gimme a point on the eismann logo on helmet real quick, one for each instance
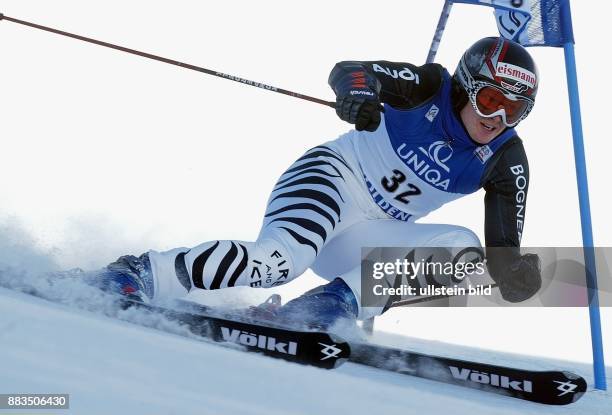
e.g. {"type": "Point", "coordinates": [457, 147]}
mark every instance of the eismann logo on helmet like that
{"type": "Point", "coordinates": [516, 73]}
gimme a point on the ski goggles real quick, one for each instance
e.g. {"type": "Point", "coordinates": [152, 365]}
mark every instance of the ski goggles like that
{"type": "Point", "coordinates": [490, 101]}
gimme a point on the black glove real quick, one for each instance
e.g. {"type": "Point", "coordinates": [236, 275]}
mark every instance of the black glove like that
{"type": "Point", "coordinates": [365, 114]}
{"type": "Point", "coordinates": [520, 280]}
{"type": "Point", "coordinates": [357, 100]}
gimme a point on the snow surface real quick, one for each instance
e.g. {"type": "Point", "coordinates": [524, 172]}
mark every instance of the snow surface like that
{"type": "Point", "coordinates": [113, 361]}
{"type": "Point", "coordinates": [108, 365]}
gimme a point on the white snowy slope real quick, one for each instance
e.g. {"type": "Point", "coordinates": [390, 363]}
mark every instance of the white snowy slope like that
{"type": "Point", "coordinates": [112, 366]}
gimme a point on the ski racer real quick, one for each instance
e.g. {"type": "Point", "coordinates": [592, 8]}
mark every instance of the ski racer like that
{"type": "Point", "coordinates": [422, 138]}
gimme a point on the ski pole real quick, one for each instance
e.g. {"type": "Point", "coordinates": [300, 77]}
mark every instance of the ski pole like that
{"type": "Point", "coordinates": [435, 42]}
{"type": "Point", "coordinates": [170, 61]}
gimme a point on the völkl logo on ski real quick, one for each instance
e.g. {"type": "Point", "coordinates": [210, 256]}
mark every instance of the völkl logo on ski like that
{"type": "Point", "coordinates": [565, 387]}
{"type": "Point", "coordinates": [329, 350]}
{"type": "Point", "coordinates": [258, 340]}
{"type": "Point", "coordinates": [491, 379]}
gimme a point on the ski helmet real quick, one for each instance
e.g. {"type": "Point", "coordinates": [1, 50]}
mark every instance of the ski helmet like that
{"type": "Point", "coordinates": [500, 78]}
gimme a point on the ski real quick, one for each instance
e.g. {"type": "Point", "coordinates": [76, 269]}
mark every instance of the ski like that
{"type": "Point", "coordinates": [326, 350]}
{"type": "Point", "coordinates": [312, 348]}
{"type": "Point", "coordinates": [546, 387]}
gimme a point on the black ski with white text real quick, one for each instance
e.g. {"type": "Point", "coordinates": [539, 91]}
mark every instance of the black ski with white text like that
{"type": "Point", "coordinates": [329, 351]}
{"type": "Point", "coordinates": [312, 348]}
{"type": "Point", "coordinates": [545, 387]}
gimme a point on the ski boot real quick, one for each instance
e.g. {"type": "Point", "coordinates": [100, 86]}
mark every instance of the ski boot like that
{"type": "Point", "coordinates": [321, 308]}
{"type": "Point", "coordinates": [129, 276]}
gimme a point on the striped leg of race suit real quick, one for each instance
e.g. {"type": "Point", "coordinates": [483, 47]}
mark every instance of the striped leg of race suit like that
{"type": "Point", "coordinates": [310, 204]}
